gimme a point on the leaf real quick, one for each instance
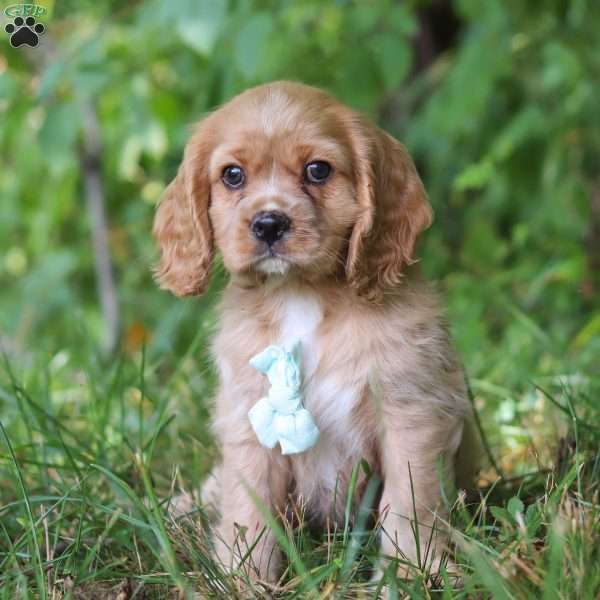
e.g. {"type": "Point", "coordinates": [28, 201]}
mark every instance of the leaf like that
{"type": "Point", "coordinates": [51, 79]}
{"type": "Point", "coordinates": [515, 506]}
{"type": "Point", "coordinates": [202, 24]}
{"type": "Point", "coordinates": [197, 23]}
{"type": "Point", "coordinates": [482, 246]}
{"type": "Point", "coordinates": [251, 44]}
{"type": "Point", "coordinates": [562, 66]}
{"type": "Point", "coordinates": [587, 333]}
{"type": "Point", "coordinates": [533, 519]}
{"type": "Point", "coordinates": [357, 79]}
{"type": "Point", "coordinates": [393, 55]}
{"type": "Point", "coordinates": [363, 18]}
{"type": "Point", "coordinates": [501, 514]}
{"type": "Point", "coordinates": [402, 19]}
{"type": "Point", "coordinates": [527, 124]}
{"type": "Point", "coordinates": [475, 176]}
{"type": "Point", "coordinates": [58, 134]}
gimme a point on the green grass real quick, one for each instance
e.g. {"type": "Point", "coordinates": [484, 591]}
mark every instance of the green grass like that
{"type": "Point", "coordinates": [91, 452]}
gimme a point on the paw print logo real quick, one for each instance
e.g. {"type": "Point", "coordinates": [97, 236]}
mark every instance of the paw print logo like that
{"type": "Point", "coordinates": [24, 31]}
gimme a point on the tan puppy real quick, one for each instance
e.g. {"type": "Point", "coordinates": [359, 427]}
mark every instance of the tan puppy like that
{"type": "Point", "coordinates": [316, 212]}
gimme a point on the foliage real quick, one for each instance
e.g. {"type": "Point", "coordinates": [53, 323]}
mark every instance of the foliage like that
{"type": "Point", "coordinates": [505, 130]}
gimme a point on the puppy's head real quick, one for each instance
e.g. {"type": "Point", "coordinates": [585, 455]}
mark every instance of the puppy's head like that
{"type": "Point", "coordinates": [286, 181]}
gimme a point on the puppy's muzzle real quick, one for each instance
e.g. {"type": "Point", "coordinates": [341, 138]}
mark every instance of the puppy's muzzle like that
{"type": "Point", "coordinates": [269, 226]}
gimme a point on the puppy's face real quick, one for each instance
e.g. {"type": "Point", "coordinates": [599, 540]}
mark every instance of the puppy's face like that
{"type": "Point", "coordinates": [286, 181]}
{"type": "Point", "coordinates": [282, 190]}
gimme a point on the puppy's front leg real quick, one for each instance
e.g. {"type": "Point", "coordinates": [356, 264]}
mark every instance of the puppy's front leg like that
{"type": "Point", "coordinates": [253, 480]}
{"type": "Point", "coordinates": [418, 462]}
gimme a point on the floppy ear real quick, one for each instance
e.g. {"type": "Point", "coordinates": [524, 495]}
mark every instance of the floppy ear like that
{"type": "Point", "coordinates": [394, 211]}
{"type": "Point", "coordinates": [182, 226]}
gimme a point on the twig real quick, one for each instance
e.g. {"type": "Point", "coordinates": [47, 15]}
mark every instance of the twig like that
{"type": "Point", "coordinates": [482, 435]}
{"type": "Point", "coordinates": [592, 244]}
{"type": "Point", "coordinates": [91, 171]}
{"type": "Point", "coordinates": [95, 200]}
{"type": "Point", "coordinates": [516, 478]}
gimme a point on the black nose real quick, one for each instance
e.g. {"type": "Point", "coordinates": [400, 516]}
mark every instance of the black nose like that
{"type": "Point", "coordinates": [269, 226]}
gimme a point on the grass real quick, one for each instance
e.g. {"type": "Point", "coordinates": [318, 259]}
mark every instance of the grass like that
{"type": "Point", "coordinates": [87, 455]}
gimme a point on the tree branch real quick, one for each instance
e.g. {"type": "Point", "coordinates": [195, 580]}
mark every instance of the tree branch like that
{"type": "Point", "coordinates": [91, 171]}
{"type": "Point", "coordinates": [91, 168]}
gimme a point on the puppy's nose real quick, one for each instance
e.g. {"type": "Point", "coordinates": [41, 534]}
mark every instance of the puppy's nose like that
{"type": "Point", "coordinates": [269, 226]}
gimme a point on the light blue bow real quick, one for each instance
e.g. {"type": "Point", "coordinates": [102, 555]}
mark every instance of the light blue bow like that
{"type": "Point", "coordinates": [280, 416]}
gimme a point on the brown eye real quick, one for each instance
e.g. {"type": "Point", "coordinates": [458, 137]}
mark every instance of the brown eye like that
{"type": "Point", "coordinates": [317, 171]}
{"type": "Point", "coordinates": [233, 176]}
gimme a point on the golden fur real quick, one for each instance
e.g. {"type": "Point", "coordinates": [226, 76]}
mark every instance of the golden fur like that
{"type": "Point", "coordinates": [380, 376]}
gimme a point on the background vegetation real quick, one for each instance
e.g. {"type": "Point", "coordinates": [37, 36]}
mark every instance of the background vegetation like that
{"type": "Point", "coordinates": [104, 394]}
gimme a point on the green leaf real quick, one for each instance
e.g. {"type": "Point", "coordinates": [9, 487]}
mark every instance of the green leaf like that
{"type": "Point", "coordinates": [58, 134]}
{"type": "Point", "coordinates": [501, 514]}
{"type": "Point", "coordinates": [393, 55]}
{"type": "Point", "coordinates": [251, 44]}
{"type": "Point", "coordinates": [590, 331]}
{"type": "Point", "coordinates": [200, 26]}
{"type": "Point", "coordinates": [533, 519]}
{"type": "Point", "coordinates": [474, 176]}
{"type": "Point", "coordinates": [401, 19]}
{"type": "Point", "coordinates": [515, 506]}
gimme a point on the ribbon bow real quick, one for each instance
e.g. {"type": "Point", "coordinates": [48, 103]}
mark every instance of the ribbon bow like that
{"type": "Point", "coordinates": [280, 416]}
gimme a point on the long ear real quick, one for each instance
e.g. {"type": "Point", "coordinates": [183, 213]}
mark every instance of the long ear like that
{"type": "Point", "coordinates": [394, 211]}
{"type": "Point", "coordinates": [182, 226]}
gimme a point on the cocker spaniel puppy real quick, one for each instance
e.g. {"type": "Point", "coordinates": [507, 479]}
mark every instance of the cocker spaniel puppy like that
{"type": "Point", "coordinates": [330, 348]}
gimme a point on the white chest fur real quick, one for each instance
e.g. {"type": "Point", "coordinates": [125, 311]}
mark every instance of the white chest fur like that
{"type": "Point", "coordinates": [331, 397]}
{"type": "Point", "coordinates": [301, 314]}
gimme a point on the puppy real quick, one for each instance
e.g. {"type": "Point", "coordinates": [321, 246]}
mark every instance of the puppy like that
{"type": "Point", "coordinates": [316, 212]}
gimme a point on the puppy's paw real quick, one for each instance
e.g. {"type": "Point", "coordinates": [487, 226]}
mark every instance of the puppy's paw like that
{"type": "Point", "coordinates": [182, 504]}
{"type": "Point", "coordinates": [255, 559]}
{"type": "Point", "coordinates": [210, 495]}
{"type": "Point", "coordinates": [206, 498]}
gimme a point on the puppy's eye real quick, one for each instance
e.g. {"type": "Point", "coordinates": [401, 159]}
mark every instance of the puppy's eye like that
{"type": "Point", "coordinates": [233, 176]}
{"type": "Point", "coordinates": [317, 171]}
